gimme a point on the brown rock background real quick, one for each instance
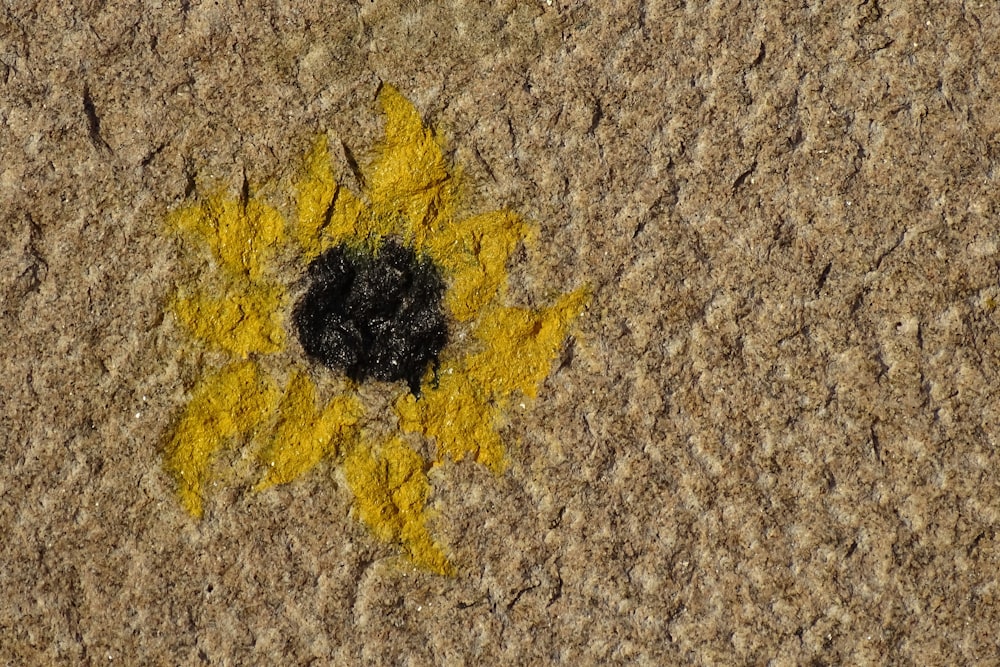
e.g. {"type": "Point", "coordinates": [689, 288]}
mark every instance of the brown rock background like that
{"type": "Point", "coordinates": [772, 439]}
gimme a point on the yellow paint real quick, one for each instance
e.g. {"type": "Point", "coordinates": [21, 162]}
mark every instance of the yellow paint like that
{"type": "Point", "coordinates": [520, 345]}
{"type": "Point", "coordinates": [239, 311]}
{"type": "Point", "coordinates": [328, 214]}
{"type": "Point", "coordinates": [228, 403]}
{"type": "Point", "coordinates": [462, 413]}
{"type": "Point", "coordinates": [459, 416]}
{"type": "Point", "coordinates": [410, 192]}
{"type": "Point", "coordinates": [243, 319]}
{"type": "Point", "coordinates": [303, 435]}
{"type": "Point", "coordinates": [410, 183]}
{"type": "Point", "coordinates": [316, 189]}
{"type": "Point", "coordinates": [391, 491]}
{"type": "Point", "coordinates": [474, 253]}
{"type": "Point", "coordinates": [239, 235]}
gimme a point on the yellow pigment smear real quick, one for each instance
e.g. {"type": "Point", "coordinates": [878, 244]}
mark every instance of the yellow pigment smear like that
{"type": "Point", "coordinates": [459, 416]}
{"type": "Point", "coordinates": [225, 404]}
{"type": "Point", "coordinates": [328, 214]}
{"type": "Point", "coordinates": [242, 320]}
{"type": "Point", "coordinates": [474, 253]}
{"type": "Point", "coordinates": [391, 492]}
{"type": "Point", "coordinates": [240, 311]}
{"type": "Point", "coordinates": [240, 235]}
{"type": "Point", "coordinates": [410, 182]}
{"type": "Point", "coordinates": [410, 192]}
{"type": "Point", "coordinates": [462, 413]}
{"type": "Point", "coordinates": [520, 345]}
{"type": "Point", "coordinates": [303, 435]}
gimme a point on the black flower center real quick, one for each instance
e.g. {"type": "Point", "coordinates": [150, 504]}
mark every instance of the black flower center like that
{"type": "Point", "coordinates": [373, 314]}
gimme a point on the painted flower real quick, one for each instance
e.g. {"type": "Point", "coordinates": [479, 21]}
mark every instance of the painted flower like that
{"type": "Point", "coordinates": [400, 289]}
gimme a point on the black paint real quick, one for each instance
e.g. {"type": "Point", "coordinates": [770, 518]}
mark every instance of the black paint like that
{"type": "Point", "coordinates": [373, 314]}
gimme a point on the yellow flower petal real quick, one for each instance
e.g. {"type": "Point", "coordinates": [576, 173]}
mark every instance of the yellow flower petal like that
{"type": "Point", "coordinates": [316, 189]}
{"type": "Point", "coordinates": [243, 318]}
{"type": "Point", "coordinates": [474, 253]}
{"type": "Point", "coordinates": [228, 403]}
{"type": "Point", "coordinates": [328, 214]}
{"type": "Point", "coordinates": [391, 492]}
{"type": "Point", "coordinates": [240, 235]}
{"type": "Point", "coordinates": [463, 412]}
{"type": "Point", "coordinates": [459, 416]}
{"type": "Point", "coordinates": [304, 435]}
{"type": "Point", "coordinates": [521, 344]}
{"type": "Point", "coordinates": [410, 184]}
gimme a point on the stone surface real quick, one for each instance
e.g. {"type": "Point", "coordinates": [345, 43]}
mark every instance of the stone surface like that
{"type": "Point", "coordinates": [772, 438]}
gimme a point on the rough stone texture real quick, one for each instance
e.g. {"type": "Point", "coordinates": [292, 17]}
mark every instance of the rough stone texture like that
{"type": "Point", "coordinates": [773, 438]}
